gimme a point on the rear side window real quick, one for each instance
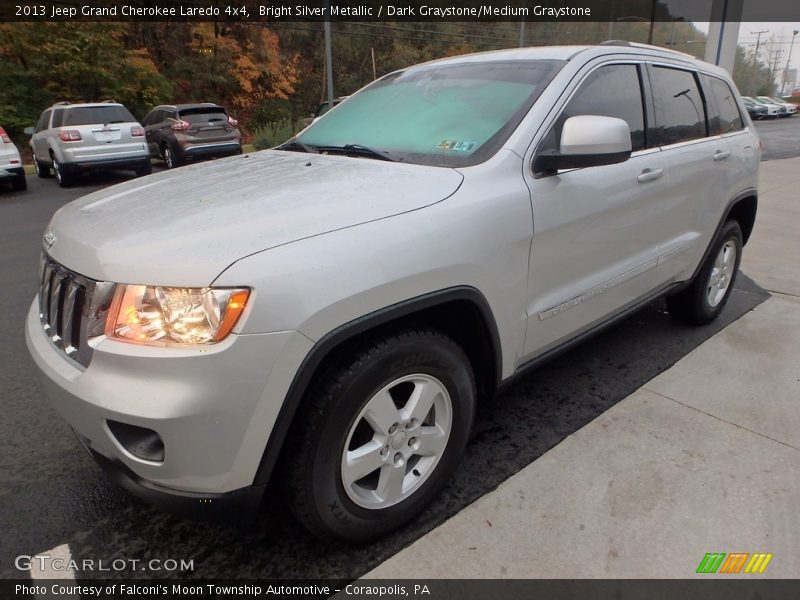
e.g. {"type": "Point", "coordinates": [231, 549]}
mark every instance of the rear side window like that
{"type": "Point", "coordinates": [151, 118]}
{"type": "Point", "coordinates": [43, 121]}
{"type": "Point", "coordinates": [58, 117]}
{"type": "Point", "coordinates": [203, 115]}
{"type": "Point", "coordinates": [679, 111]}
{"type": "Point", "coordinates": [611, 91]}
{"type": "Point", "coordinates": [97, 115]}
{"type": "Point", "coordinates": [726, 118]}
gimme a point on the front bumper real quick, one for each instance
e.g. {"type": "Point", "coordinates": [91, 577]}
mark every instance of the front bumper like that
{"type": "Point", "coordinates": [237, 506]}
{"type": "Point", "coordinates": [213, 408]}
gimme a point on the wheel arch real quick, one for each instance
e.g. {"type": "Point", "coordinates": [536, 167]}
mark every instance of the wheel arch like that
{"type": "Point", "coordinates": [743, 210]}
{"type": "Point", "coordinates": [462, 313]}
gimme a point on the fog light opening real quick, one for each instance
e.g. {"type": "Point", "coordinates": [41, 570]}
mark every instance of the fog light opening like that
{"type": "Point", "coordinates": [139, 441]}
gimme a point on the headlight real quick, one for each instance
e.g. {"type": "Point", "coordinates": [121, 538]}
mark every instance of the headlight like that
{"type": "Point", "coordinates": [144, 314]}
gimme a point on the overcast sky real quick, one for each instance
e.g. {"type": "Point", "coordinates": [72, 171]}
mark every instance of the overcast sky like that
{"type": "Point", "coordinates": [782, 32]}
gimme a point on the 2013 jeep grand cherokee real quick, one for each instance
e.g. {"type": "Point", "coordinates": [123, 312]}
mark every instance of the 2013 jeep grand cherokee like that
{"type": "Point", "coordinates": [331, 311]}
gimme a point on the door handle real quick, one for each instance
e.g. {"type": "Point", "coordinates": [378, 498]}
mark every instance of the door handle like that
{"type": "Point", "coordinates": [650, 175]}
{"type": "Point", "coordinates": [721, 154]}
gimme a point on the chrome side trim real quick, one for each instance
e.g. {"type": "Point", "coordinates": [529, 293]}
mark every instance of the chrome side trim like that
{"type": "Point", "coordinates": [596, 291]}
{"type": "Point", "coordinates": [673, 252]}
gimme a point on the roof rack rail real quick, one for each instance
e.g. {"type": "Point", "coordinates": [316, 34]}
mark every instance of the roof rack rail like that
{"type": "Point", "coordinates": [110, 101]}
{"type": "Point", "coordinates": [615, 43]}
{"type": "Point", "coordinates": [62, 103]}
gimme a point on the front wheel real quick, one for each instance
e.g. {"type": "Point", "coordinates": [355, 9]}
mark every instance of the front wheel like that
{"type": "Point", "coordinates": [704, 299]}
{"type": "Point", "coordinates": [382, 432]}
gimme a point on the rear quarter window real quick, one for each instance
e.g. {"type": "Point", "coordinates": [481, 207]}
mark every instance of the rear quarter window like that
{"type": "Point", "coordinates": [726, 118]}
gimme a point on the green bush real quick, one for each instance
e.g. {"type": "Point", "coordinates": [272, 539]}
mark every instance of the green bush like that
{"type": "Point", "coordinates": [272, 134]}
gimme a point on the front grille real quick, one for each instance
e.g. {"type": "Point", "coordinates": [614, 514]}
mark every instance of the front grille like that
{"type": "Point", "coordinates": [73, 309]}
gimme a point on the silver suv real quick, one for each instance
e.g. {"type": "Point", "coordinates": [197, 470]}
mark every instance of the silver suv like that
{"type": "Point", "coordinates": [76, 138]}
{"type": "Point", "coordinates": [331, 311]}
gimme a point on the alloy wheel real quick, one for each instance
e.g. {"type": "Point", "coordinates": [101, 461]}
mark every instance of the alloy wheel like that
{"type": "Point", "coordinates": [396, 441]}
{"type": "Point", "coordinates": [722, 273]}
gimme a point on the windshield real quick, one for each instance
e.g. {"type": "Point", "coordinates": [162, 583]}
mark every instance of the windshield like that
{"type": "Point", "coordinates": [446, 115]}
{"type": "Point", "coordinates": [97, 115]}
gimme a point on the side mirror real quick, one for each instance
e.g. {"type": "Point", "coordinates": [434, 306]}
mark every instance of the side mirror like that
{"type": "Point", "coordinates": [588, 141]}
{"type": "Point", "coordinates": [29, 131]}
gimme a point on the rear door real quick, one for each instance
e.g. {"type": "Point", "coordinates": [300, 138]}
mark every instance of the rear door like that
{"type": "Point", "coordinates": [152, 124]}
{"type": "Point", "coordinates": [39, 139]}
{"type": "Point", "coordinates": [595, 241]}
{"type": "Point", "coordinates": [694, 158]}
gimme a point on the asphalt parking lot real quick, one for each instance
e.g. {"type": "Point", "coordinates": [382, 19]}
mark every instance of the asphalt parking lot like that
{"type": "Point", "coordinates": [53, 494]}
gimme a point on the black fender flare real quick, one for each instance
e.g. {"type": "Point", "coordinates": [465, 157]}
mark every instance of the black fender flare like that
{"type": "Point", "coordinates": [343, 333]}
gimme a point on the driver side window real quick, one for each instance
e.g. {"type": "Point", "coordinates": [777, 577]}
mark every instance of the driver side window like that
{"type": "Point", "coordinates": [609, 91]}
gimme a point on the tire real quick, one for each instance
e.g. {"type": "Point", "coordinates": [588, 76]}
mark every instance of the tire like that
{"type": "Point", "coordinates": [42, 168]}
{"type": "Point", "coordinates": [20, 183]}
{"type": "Point", "coordinates": [170, 158]}
{"type": "Point", "coordinates": [704, 299]}
{"type": "Point", "coordinates": [63, 179]}
{"type": "Point", "coordinates": [145, 169]}
{"type": "Point", "coordinates": [344, 414]}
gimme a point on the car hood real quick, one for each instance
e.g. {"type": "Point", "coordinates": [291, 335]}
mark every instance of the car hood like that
{"type": "Point", "coordinates": [184, 227]}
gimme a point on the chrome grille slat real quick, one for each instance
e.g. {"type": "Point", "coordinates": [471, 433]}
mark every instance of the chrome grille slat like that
{"type": "Point", "coordinates": [73, 309]}
{"type": "Point", "coordinates": [54, 313]}
{"type": "Point", "coordinates": [68, 340]}
{"type": "Point", "coordinates": [44, 292]}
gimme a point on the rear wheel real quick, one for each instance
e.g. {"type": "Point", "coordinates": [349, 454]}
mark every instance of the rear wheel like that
{"type": "Point", "coordinates": [704, 299]}
{"type": "Point", "coordinates": [62, 178]}
{"type": "Point", "coordinates": [170, 159]}
{"type": "Point", "coordinates": [383, 431]}
{"type": "Point", "coordinates": [42, 169]}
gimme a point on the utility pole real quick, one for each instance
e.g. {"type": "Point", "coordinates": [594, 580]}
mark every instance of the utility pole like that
{"type": "Point", "coordinates": [522, 33]}
{"type": "Point", "coordinates": [758, 43]}
{"type": "Point", "coordinates": [788, 62]}
{"type": "Point", "coordinates": [653, 13]}
{"type": "Point", "coordinates": [328, 53]}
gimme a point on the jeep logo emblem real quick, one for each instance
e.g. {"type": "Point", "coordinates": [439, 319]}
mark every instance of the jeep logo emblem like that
{"type": "Point", "coordinates": [49, 238]}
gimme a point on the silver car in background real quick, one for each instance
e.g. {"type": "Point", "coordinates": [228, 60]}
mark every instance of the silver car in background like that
{"type": "Point", "coordinates": [11, 170]}
{"type": "Point", "coordinates": [72, 139]}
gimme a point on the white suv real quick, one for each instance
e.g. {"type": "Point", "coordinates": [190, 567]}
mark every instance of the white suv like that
{"type": "Point", "coordinates": [76, 138]}
{"type": "Point", "coordinates": [11, 170]}
{"type": "Point", "coordinates": [331, 311]}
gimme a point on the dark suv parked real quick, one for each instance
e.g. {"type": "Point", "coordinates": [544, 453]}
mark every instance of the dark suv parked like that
{"type": "Point", "coordinates": [184, 132]}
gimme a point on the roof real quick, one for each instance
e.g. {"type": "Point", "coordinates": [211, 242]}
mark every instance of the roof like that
{"type": "Point", "coordinates": [615, 47]}
{"type": "Point", "coordinates": [190, 106]}
{"type": "Point", "coordinates": [84, 104]}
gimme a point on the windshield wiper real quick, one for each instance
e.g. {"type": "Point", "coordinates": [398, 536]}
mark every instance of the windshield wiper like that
{"type": "Point", "coordinates": [294, 146]}
{"type": "Point", "coordinates": [359, 150]}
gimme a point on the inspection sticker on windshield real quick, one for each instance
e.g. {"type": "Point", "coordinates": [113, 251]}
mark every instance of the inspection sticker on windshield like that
{"type": "Point", "coordinates": [456, 145]}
